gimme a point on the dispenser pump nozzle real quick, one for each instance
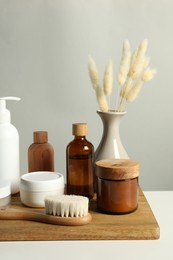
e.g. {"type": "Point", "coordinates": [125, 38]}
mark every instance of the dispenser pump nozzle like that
{"type": "Point", "coordinates": [5, 116]}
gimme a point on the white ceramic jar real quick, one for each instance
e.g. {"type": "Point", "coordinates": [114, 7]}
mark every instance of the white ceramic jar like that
{"type": "Point", "coordinates": [35, 186]}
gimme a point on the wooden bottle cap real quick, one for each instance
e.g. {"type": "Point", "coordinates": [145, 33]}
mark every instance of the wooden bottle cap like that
{"type": "Point", "coordinates": [117, 169]}
{"type": "Point", "coordinates": [40, 137]}
{"type": "Point", "coordinates": [80, 129]}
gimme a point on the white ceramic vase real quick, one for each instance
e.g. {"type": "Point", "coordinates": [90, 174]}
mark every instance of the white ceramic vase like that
{"type": "Point", "coordinates": [110, 145]}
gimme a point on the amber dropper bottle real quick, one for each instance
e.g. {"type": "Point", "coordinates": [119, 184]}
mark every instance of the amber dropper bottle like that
{"type": "Point", "coordinates": [79, 163]}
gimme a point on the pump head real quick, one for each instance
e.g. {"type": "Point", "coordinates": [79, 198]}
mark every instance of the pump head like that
{"type": "Point", "coordinates": [5, 116]}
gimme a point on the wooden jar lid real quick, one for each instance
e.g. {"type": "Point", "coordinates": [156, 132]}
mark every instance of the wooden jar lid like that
{"type": "Point", "coordinates": [117, 169]}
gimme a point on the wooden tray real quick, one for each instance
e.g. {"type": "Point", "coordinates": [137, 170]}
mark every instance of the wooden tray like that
{"type": "Point", "coordinates": [138, 225]}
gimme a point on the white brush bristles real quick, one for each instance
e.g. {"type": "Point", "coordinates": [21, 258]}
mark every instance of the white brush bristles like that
{"type": "Point", "coordinates": [66, 205]}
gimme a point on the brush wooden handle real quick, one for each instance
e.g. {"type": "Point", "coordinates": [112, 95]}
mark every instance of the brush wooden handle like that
{"type": "Point", "coordinates": [13, 214]}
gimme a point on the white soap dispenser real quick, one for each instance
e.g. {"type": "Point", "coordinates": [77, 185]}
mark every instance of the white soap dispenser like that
{"type": "Point", "coordinates": [9, 147]}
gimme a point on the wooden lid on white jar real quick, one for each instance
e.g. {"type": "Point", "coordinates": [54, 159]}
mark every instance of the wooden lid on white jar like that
{"type": "Point", "coordinates": [117, 169]}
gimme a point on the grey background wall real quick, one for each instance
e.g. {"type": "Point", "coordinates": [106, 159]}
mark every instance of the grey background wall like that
{"type": "Point", "coordinates": [44, 48]}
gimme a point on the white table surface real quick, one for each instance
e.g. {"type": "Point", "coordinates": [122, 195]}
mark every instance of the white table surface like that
{"type": "Point", "coordinates": [161, 203]}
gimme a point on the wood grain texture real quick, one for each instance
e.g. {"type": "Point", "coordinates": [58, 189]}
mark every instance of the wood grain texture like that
{"type": "Point", "coordinates": [138, 225]}
{"type": "Point", "coordinates": [117, 169]}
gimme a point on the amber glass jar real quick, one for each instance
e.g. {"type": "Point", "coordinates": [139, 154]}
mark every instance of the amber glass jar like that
{"type": "Point", "coordinates": [117, 190]}
{"type": "Point", "coordinates": [40, 153]}
{"type": "Point", "coordinates": [79, 163]}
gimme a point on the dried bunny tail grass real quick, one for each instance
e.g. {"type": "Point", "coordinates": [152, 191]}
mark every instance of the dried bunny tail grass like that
{"type": "Point", "coordinates": [125, 63]}
{"type": "Point", "coordinates": [101, 99]}
{"type": "Point", "coordinates": [126, 88]}
{"type": "Point", "coordinates": [132, 61]}
{"type": "Point", "coordinates": [123, 94]}
{"type": "Point", "coordinates": [146, 62]}
{"type": "Point", "coordinates": [121, 106]}
{"type": "Point", "coordinates": [138, 61]}
{"type": "Point", "coordinates": [93, 72]}
{"type": "Point", "coordinates": [108, 79]}
{"type": "Point", "coordinates": [148, 74]}
{"type": "Point", "coordinates": [133, 93]}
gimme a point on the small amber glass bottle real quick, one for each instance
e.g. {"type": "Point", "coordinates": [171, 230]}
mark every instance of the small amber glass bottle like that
{"type": "Point", "coordinates": [79, 163]}
{"type": "Point", "coordinates": [40, 153]}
